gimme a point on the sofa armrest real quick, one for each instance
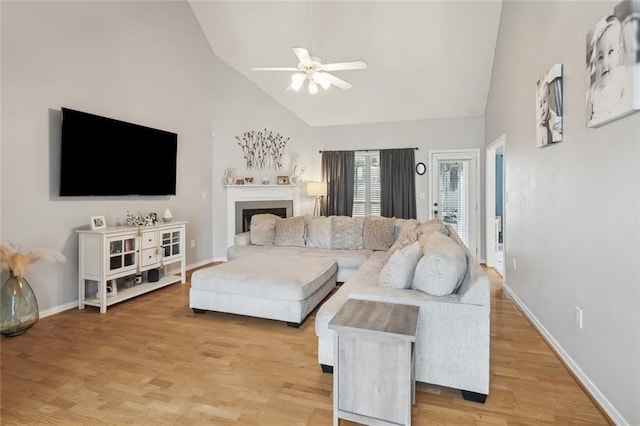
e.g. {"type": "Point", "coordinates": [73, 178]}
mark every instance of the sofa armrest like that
{"type": "Point", "coordinates": [242, 239]}
{"type": "Point", "coordinates": [406, 297]}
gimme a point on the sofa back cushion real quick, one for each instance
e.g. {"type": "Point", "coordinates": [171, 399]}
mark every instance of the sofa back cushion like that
{"type": "Point", "coordinates": [317, 231]}
{"type": "Point", "coordinates": [399, 270]}
{"type": "Point", "coordinates": [290, 231]}
{"type": "Point", "coordinates": [405, 239]}
{"type": "Point", "coordinates": [442, 267]}
{"type": "Point", "coordinates": [346, 233]}
{"type": "Point", "coordinates": [378, 232]}
{"type": "Point", "coordinates": [403, 226]}
{"type": "Point", "coordinates": [263, 229]}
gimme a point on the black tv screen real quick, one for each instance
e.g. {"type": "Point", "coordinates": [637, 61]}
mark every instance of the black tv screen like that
{"type": "Point", "coordinates": [106, 157]}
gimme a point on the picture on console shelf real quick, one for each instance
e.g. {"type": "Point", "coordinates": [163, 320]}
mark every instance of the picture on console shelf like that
{"type": "Point", "coordinates": [98, 222]}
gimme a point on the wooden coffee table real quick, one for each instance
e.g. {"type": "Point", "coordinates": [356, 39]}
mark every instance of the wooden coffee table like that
{"type": "Point", "coordinates": [373, 372]}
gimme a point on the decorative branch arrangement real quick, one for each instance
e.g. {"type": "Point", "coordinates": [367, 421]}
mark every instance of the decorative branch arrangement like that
{"type": "Point", "coordinates": [262, 149]}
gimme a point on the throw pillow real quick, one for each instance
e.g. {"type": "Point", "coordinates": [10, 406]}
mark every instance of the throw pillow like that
{"type": "Point", "coordinates": [442, 268]}
{"type": "Point", "coordinates": [378, 232]}
{"type": "Point", "coordinates": [317, 231]}
{"type": "Point", "coordinates": [403, 226]}
{"type": "Point", "coordinates": [426, 229]}
{"type": "Point", "coordinates": [399, 270]}
{"type": "Point", "coordinates": [346, 233]}
{"type": "Point", "coordinates": [290, 231]}
{"type": "Point", "coordinates": [402, 242]}
{"type": "Point", "coordinates": [263, 229]}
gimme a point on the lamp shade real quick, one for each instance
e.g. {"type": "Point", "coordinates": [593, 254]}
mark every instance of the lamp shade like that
{"type": "Point", "coordinates": [316, 189]}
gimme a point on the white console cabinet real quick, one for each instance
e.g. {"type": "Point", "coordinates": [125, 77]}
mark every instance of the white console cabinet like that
{"type": "Point", "coordinates": [111, 253]}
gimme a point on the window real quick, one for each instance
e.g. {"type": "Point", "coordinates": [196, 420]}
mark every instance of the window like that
{"type": "Point", "coordinates": [366, 194]}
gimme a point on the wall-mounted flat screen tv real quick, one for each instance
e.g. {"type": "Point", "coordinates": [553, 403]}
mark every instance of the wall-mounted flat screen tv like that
{"type": "Point", "coordinates": [106, 157]}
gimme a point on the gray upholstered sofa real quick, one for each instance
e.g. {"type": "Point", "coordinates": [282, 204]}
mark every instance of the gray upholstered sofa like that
{"type": "Point", "coordinates": [426, 265]}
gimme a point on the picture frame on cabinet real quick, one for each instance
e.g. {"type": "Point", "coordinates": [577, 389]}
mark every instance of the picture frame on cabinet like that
{"type": "Point", "coordinates": [283, 180]}
{"type": "Point", "coordinates": [98, 222]}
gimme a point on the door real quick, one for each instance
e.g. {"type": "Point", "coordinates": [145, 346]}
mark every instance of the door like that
{"type": "Point", "coordinates": [454, 192]}
{"type": "Point", "coordinates": [494, 204]}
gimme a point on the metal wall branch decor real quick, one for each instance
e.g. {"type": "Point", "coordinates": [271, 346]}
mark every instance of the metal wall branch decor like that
{"type": "Point", "coordinates": [262, 149]}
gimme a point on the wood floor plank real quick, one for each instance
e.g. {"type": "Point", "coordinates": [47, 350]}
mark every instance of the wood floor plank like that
{"type": "Point", "coordinates": [151, 360]}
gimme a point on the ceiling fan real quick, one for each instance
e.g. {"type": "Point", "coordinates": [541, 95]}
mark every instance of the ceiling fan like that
{"type": "Point", "coordinates": [311, 69]}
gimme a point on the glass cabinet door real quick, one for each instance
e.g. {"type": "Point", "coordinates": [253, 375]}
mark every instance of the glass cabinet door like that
{"type": "Point", "coordinates": [171, 243]}
{"type": "Point", "coordinates": [122, 253]}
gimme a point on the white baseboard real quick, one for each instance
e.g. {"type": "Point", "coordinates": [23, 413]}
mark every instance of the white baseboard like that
{"type": "Point", "coordinates": [595, 393]}
{"type": "Point", "coordinates": [58, 309]}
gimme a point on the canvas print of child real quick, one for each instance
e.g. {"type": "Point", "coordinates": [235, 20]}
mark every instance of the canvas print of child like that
{"type": "Point", "coordinates": [549, 107]}
{"type": "Point", "coordinates": [613, 66]}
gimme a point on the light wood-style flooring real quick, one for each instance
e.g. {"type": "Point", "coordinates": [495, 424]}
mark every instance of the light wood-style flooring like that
{"type": "Point", "coordinates": [151, 361]}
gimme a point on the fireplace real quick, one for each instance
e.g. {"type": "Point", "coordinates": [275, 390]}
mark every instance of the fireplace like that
{"type": "Point", "coordinates": [264, 198]}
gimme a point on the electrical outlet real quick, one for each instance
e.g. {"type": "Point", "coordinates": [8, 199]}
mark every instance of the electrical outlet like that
{"type": "Point", "coordinates": [193, 243]}
{"type": "Point", "coordinates": [515, 264]}
{"type": "Point", "coordinates": [578, 317]}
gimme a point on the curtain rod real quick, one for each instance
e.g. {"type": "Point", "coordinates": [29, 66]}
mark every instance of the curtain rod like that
{"type": "Point", "coordinates": [367, 150]}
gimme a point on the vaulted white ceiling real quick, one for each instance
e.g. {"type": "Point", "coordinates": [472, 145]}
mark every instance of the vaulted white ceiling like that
{"type": "Point", "coordinates": [426, 59]}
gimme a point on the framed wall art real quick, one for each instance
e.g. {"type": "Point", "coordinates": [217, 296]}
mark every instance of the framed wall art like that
{"type": "Point", "coordinates": [613, 65]}
{"type": "Point", "coordinates": [549, 107]}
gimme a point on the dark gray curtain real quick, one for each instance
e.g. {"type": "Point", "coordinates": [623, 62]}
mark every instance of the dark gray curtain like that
{"type": "Point", "coordinates": [338, 168]}
{"type": "Point", "coordinates": [397, 183]}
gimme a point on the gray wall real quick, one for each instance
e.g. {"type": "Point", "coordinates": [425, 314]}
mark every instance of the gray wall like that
{"type": "Point", "coordinates": [572, 209]}
{"type": "Point", "coordinates": [146, 63]}
{"type": "Point", "coordinates": [445, 133]}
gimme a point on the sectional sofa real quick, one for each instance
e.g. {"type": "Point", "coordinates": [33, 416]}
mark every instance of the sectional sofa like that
{"type": "Point", "coordinates": [398, 261]}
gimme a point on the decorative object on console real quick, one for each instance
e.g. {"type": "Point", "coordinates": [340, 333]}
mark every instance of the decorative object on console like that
{"type": "Point", "coordinates": [18, 303]}
{"type": "Point", "coordinates": [98, 222]}
{"type": "Point", "coordinates": [318, 190]}
{"type": "Point", "coordinates": [262, 149]}
{"type": "Point", "coordinates": [229, 176]}
{"type": "Point", "coordinates": [266, 180]}
{"type": "Point", "coordinates": [296, 177]}
{"type": "Point", "coordinates": [248, 180]}
{"type": "Point", "coordinates": [166, 217]}
{"type": "Point", "coordinates": [141, 219]}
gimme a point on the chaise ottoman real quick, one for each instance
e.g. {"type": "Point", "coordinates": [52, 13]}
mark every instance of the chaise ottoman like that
{"type": "Point", "coordinates": [285, 287]}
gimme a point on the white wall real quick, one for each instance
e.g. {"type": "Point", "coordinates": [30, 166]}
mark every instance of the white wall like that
{"type": "Point", "coordinates": [239, 106]}
{"type": "Point", "coordinates": [142, 62]}
{"type": "Point", "coordinates": [446, 133]}
{"type": "Point", "coordinates": [572, 214]}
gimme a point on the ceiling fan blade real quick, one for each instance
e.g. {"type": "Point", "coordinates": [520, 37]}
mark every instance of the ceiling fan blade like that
{"type": "Point", "coordinates": [336, 81]}
{"type": "Point", "coordinates": [303, 55]}
{"type": "Point", "coordinates": [273, 69]}
{"type": "Point", "coordinates": [340, 66]}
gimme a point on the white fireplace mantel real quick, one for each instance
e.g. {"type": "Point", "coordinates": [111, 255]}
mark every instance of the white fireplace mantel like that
{"type": "Point", "coordinates": [257, 192]}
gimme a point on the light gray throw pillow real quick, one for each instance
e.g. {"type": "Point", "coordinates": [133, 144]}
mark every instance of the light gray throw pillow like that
{"type": "Point", "coordinates": [403, 226]}
{"type": "Point", "coordinates": [346, 233]}
{"type": "Point", "coordinates": [425, 230]}
{"type": "Point", "coordinates": [442, 268]}
{"type": "Point", "coordinates": [290, 232]}
{"type": "Point", "coordinates": [378, 232]}
{"type": "Point", "coordinates": [263, 229]}
{"type": "Point", "coordinates": [403, 241]}
{"type": "Point", "coordinates": [399, 270]}
{"type": "Point", "coordinates": [317, 231]}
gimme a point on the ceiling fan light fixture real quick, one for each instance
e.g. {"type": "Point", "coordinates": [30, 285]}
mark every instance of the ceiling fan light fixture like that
{"type": "Point", "coordinates": [313, 87]}
{"type": "Point", "coordinates": [321, 80]}
{"type": "Point", "coordinates": [297, 80]}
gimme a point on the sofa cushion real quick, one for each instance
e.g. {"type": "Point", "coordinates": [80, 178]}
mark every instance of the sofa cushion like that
{"type": "Point", "coordinates": [405, 239]}
{"type": "Point", "coordinates": [442, 268]}
{"type": "Point", "coordinates": [263, 229]}
{"type": "Point", "coordinates": [403, 226]}
{"type": "Point", "coordinates": [378, 232]}
{"type": "Point", "coordinates": [346, 232]}
{"type": "Point", "coordinates": [290, 231]}
{"type": "Point", "coordinates": [317, 231]}
{"type": "Point", "coordinates": [399, 270]}
{"type": "Point", "coordinates": [430, 226]}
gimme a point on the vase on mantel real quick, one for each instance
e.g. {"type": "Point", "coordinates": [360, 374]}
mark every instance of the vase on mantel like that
{"type": "Point", "coordinates": [229, 176]}
{"type": "Point", "coordinates": [18, 306]}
